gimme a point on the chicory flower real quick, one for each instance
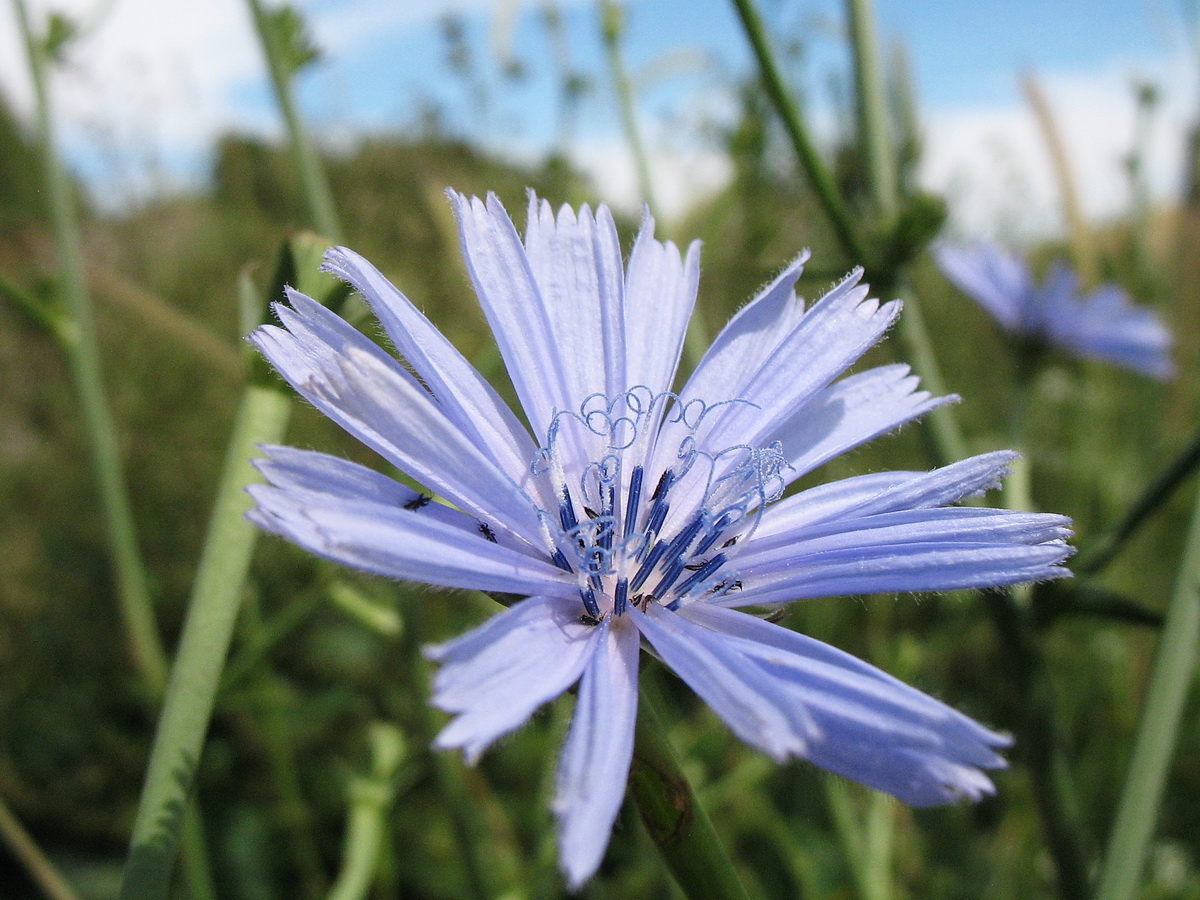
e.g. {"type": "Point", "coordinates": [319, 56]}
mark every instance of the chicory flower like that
{"type": "Point", "coordinates": [1103, 324]}
{"type": "Point", "coordinates": [622, 512]}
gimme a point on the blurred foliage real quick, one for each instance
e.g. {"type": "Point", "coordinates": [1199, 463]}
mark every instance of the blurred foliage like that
{"type": "Point", "coordinates": [314, 679]}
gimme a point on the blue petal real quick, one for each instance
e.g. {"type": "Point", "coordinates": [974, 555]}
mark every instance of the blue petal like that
{"type": "Point", "coordinates": [494, 677]}
{"type": "Point", "coordinates": [357, 385]}
{"type": "Point", "coordinates": [869, 726]}
{"type": "Point", "coordinates": [660, 292]}
{"type": "Point", "coordinates": [884, 492]}
{"type": "Point", "coordinates": [595, 759]}
{"type": "Point", "coordinates": [999, 281]}
{"type": "Point", "coordinates": [941, 553]}
{"type": "Point", "coordinates": [1106, 325]}
{"type": "Point", "coordinates": [402, 543]}
{"type": "Point", "coordinates": [576, 262]}
{"type": "Point", "coordinates": [515, 308]}
{"type": "Point", "coordinates": [325, 479]}
{"type": "Point", "coordinates": [755, 331]}
{"type": "Point", "coordinates": [461, 391]}
{"type": "Point", "coordinates": [851, 412]}
{"type": "Point", "coordinates": [756, 705]}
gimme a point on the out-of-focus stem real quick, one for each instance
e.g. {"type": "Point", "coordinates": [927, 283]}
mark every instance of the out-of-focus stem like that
{"type": "Point", "coordinates": [674, 817]}
{"type": "Point", "coordinates": [1158, 731]}
{"type": "Point", "coordinates": [874, 135]}
{"type": "Point", "coordinates": [1097, 555]}
{"type": "Point", "coordinates": [37, 865]}
{"type": "Point", "coordinates": [1081, 246]}
{"type": "Point", "coordinates": [371, 798]}
{"type": "Point", "coordinates": [613, 17]}
{"type": "Point", "coordinates": [216, 596]}
{"type": "Point", "coordinates": [797, 131]}
{"type": "Point", "coordinates": [312, 177]}
{"type": "Point", "coordinates": [137, 609]}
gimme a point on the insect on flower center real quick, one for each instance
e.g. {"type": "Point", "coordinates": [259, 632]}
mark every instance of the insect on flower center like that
{"type": "Point", "coordinates": [644, 511]}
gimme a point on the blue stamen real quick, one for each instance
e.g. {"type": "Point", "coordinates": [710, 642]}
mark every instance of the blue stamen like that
{"type": "Point", "coordinates": [714, 533]}
{"type": "Point", "coordinates": [648, 565]}
{"type": "Point", "coordinates": [673, 571]}
{"type": "Point", "coordinates": [561, 561]}
{"type": "Point", "coordinates": [635, 495]}
{"type": "Point", "coordinates": [621, 597]}
{"type": "Point", "coordinates": [701, 574]}
{"type": "Point", "coordinates": [589, 602]}
{"type": "Point", "coordinates": [566, 511]}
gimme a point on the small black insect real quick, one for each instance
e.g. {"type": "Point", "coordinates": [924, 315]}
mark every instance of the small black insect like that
{"type": "Point", "coordinates": [591, 513]}
{"type": "Point", "coordinates": [590, 620]}
{"type": "Point", "coordinates": [486, 530]}
{"type": "Point", "coordinates": [730, 542]}
{"type": "Point", "coordinates": [418, 501]}
{"type": "Point", "coordinates": [642, 600]}
{"type": "Point", "coordinates": [695, 567]}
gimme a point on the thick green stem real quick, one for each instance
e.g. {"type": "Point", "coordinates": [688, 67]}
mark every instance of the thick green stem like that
{"type": "Point", "coordinates": [261, 418]}
{"type": "Point", "coordinates": [677, 823]}
{"type": "Point", "coordinates": [797, 131]}
{"type": "Point", "coordinates": [312, 177]}
{"type": "Point", "coordinates": [1158, 731]}
{"type": "Point", "coordinates": [137, 609]}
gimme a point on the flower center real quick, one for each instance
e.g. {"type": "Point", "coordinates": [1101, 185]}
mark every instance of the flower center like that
{"type": "Point", "coordinates": [646, 512]}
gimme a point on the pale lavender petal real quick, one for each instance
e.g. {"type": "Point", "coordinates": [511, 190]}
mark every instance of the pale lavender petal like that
{"type": "Point", "coordinates": [755, 705]}
{"type": "Point", "coordinates": [576, 262]}
{"type": "Point", "coordinates": [860, 562]}
{"type": "Point", "coordinates": [595, 759]}
{"type": "Point", "coordinates": [851, 412]}
{"type": "Point", "coordinates": [1106, 325]}
{"type": "Point", "coordinates": [514, 307]}
{"type": "Point", "coordinates": [465, 395]}
{"type": "Point", "coordinates": [869, 726]}
{"type": "Point", "coordinates": [999, 281]}
{"type": "Point", "coordinates": [660, 292]}
{"type": "Point", "coordinates": [326, 479]}
{"type": "Point", "coordinates": [492, 679]}
{"type": "Point", "coordinates": [401, 543]}
{"type": "Point", "coordinates": [882, 492]}
{"type": "Point", "coordinates": [754, 332]}
{"type": "Point", "coordinates": [370, 395]}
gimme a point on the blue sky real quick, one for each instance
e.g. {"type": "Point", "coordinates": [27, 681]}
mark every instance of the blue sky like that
{"type": "Point", "coordinates": [153, 84]}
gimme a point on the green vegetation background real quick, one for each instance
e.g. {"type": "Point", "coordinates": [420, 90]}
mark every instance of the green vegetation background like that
{"type": "Point", "coordinates": [75, 726]}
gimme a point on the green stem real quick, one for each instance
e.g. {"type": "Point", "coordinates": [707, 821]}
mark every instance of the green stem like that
{"type": "Point", "coordinates": [797, 131]}
{"type": "Point", "coordinates": [874, 135]}
{"type": "Point", "coordinates": [613, 18]}
{"type": "Point", "coordinates": [371, 799]}
{"type": "Point", "coordinates": [37, 864]}
{"type": "Point", "coordinates": [1101, 552]}
{"type": "Point", "coordinates": [944, 433]}
{"type": "Point", "coordinates": [313, 183]}
{"type": "Point", "coordinates": [261, 418]}
{"type": "Point", "coordinates": [447, 768]}
{"type": "Point", "coordinates": [674, 817]}
{"type": "Point", "coordinates": [1158, 731]}
{"type": "Point", "coordinates": [137, 609]}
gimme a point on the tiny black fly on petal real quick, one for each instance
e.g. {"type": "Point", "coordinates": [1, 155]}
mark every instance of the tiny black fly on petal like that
{"type": "Point", "coordinates": [486, 530]}
{"type": "Point", "coordinates": [417, 502]}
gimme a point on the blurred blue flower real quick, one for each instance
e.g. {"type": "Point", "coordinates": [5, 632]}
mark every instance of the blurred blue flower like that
{"type": "Point", "coordinates": [1104, 324]}
{"type": "Point", "coordinates": [622, 511]}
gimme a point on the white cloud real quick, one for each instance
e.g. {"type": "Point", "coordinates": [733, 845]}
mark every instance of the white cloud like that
{"type": "Point", "coordinates": [993, 165]}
